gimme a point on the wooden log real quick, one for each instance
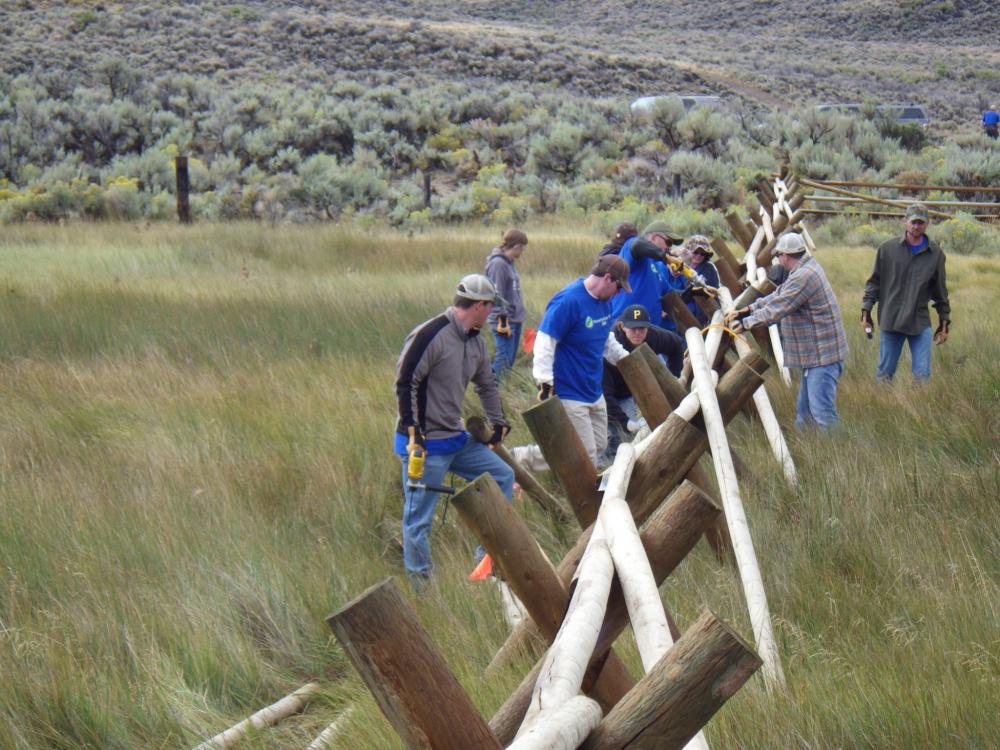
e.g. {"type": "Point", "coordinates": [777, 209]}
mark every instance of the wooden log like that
{"type": "Point", "coordinates": [561, 728]}
{"type": "Point", "coordinates": [567, 659]}
{"type": "Point", "coordinates": [739, 530]}
{"type": "Point", "coordinates": [326, 740]}
{"type": "Point", "coordinates": [650, 622]}
{"type": "Point", "coordinates": [679, 312]}
{"type": "Point", "coordinates": [765, 222]}
{"type": "Point", "coordinates": [672, 530]}
{"type": "Point", "coordinates": [529, 573]}
{"type": "Point", "coordinates": [870, 198]}
{"type": "Point", "coordinates": [765, 192]}
{"type": "Point", "coordinates": [480, 430]}
{"type": "Point", "coordinates": [566, 456]}
{"type": "Point", "coordinates": [183, 184]}
{"type": "Point", "coordinates": [266, 717]}
{"type": "Point", "coordinates": [908, 188]}
{"type": "Point", "coordinates": [775, 338]}
{"type": "Point", "coordinates": [739, 230]}
{"type": "Point", "coordinates": [689, 685]}
{"type": "Point", "coordinates": [406, 673]}
{"type": "Point", "coordinates": [725, 255]}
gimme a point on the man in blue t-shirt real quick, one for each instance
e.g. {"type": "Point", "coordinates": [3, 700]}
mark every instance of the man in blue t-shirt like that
{"type": "Point", "coordinates": [991, 122]}
{"type": "Point", "coordinates": [571, 344]}
{"type": "Point", "coordinates": [648, 275]}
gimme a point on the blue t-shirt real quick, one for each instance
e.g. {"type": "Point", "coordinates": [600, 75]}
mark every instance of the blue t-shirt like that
{"type": "Point", "coordinates": [646, 279]}
{"type": "Point", "coordinates": [580, 324]}
{"type": "Point", "coordinates": [917, 248]}
{"type": "Point", "coordinates": [991, 118]}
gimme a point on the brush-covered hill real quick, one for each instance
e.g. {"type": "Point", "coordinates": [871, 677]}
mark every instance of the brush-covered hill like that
{"type": "Point", "coordinates": [942, 54]}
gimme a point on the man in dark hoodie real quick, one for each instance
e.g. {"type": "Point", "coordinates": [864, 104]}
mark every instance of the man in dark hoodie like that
{"type": "Point", "coordinates": [507, 319]}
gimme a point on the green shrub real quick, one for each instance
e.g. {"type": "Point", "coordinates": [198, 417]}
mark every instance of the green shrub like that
{"type": "Point", "coordinates": [965, 235]}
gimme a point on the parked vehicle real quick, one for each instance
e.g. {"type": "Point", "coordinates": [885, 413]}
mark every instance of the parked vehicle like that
{"type": "Point", "coordinates": [644, 104]}
{"type": "Point", "coordinates": [904, 113]}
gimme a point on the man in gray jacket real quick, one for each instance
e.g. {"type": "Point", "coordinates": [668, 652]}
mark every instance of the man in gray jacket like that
{"type": "Point", "coordinates": [439, 358]}
{"type": "Point", "coordinates": [908, 273]}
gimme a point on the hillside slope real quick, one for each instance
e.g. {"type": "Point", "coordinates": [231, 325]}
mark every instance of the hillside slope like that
{"type": "Point", "coordinates": [940, 53]}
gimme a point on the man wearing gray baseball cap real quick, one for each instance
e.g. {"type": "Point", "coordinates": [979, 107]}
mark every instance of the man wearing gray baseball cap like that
{"type": "Point", "coordinates": [812, 330]}
{"type": "Point", "coordinates": [908, 274]}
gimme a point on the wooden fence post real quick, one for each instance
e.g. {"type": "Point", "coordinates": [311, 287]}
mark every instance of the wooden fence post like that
{"type": "Point", "coordinates": [183, 189]}
{"type": "Point", "coordinates": [566, 456]}
{"type": "Point", "coordinates": [406, 673]}
{"type": "Point", "coordinates": [687, 687]}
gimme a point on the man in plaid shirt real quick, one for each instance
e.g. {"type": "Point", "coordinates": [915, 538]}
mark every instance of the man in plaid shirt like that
{"type": "Point", "coordinates": [812, 332]}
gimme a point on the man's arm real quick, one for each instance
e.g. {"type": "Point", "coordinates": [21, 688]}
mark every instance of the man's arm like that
{"type": "Point", "coordinates": [939, 296]}
{"type": "Point", "coordinates": [613, 350]}
{"type": "Point", "coordinates": [670, 345]}
{"type": "Point", "coordinates": [786, 299]}
{"type": "Point", "coordinates": [413, 368]}
{"type": "Point", "coordinates": [544, 358]}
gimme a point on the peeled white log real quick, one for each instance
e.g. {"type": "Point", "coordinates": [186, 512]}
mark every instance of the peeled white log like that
{"type": "Point", "coordinates": [768, 419]}
{"type": "Point", "coordinates": [713, 339]}
{"type": "Point", "coordinates": [566, 662]}
{"type": "Point", "coordinates": [564, 727]}
{"type": "Point", "coordinates": [739, 530]}
{"type": "Point", "coordinates": [642, 595]}
{"type": "Point", "coordinates": [755, 244]}
{"type": "Point", "coordinates": [765, 218]}
{"type": "Point", "coordinates": [266, 717]}
{"type": "Point", "coordinates": [810, 245]}
{"type": "Point", "coordinates": [750, 259]}
{"type": "Point", "coordinates": [772, 331]}
{"type": "Point", "coordinates": [325, 739]}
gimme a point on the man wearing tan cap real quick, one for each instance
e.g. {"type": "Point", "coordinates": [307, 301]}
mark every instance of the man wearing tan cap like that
{"type": "Point", "coordinates": [908, 273]}
{"type": "Point", "coordinates": [573, 339]}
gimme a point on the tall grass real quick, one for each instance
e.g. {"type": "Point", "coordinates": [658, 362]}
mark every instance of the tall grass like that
{"type": "Point", "coordinates": [195, 470]}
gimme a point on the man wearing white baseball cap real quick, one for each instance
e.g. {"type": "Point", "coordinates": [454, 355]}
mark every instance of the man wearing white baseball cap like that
{"type": "Point", "coordinates": [812, 330]}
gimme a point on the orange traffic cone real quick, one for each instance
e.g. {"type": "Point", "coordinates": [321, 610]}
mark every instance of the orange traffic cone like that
{"type": "Point", "coordinates": [482, 571]}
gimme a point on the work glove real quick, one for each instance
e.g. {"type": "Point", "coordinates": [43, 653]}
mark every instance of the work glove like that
{"type": "Point", "coordinates": [634, 425]}
{"type": "Point", "coordinates": [500, 430]}
{"type": "Point", "coordinates": [866, 323]}
{"type": "Point", "coordinates": [544, 391]}
{"type": "Point", "coordinates": [416, 439]}
{"type": "Point", "coordinates": [503, 326]}
{"type": "Point", "coordinates": [734, 315]}
{"type": "Point", "coordinates": [941, 334]}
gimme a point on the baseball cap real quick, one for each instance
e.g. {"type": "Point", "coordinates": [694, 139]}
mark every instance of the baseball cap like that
{"type": "Point", "coordinates": [790, 244]}
{"type": "Point", "coordinates": [661, 228]}
{"type": "Point", "coordinates": [475, 286]}
{"type": "Point", "coordinates": [635, 316]}
{"type": "Point", "coordinates": [615, 265]}
{"type": "Point", "coordinates": [698, 243]}
{"type": "Point", "coordinates": [916, 211]}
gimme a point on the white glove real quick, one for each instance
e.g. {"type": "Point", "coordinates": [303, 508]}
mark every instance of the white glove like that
{"type": "Point", "coordinates": [633, 425]}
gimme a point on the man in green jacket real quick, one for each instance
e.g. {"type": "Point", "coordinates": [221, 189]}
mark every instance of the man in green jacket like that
{"type": "Point", "coordinates": [909, 273]}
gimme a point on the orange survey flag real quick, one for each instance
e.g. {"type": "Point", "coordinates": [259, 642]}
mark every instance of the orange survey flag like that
{"type": "Point", "coordinates": [528, 344]}
{"type": "Point", "coordinates": [482, 571]}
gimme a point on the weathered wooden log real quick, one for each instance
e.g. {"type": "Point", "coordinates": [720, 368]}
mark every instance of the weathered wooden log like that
{"type": "Point", "coordinates": [406, 673]}
{"type": "Point", "coordinates": [679, 312]}
{"type": "Point", "coordinates": [566, 456]}
{"type": "Point", "coordinates": [739, 230]}
{"type": "Point", "coordinates": [689, 685]}
{"type": "Point", "coordinates": [668, 536]}
{"type": "Point", "coordinates": [765, 192]}
{"type": "Point", "coordinates": [727, 264]}
{"type": "Point", "coordinates": [528, 572]}
{"type": "Point", "coordinates": [183, 185]}
{"type": "Point", "coordinates": [266, 717]}
{"type": "Point", "coordinates": [739, 530]}
{"type": "Point", "coordinates": [675, 392]}
{"type": "Point", "coordinates": [480, 430]}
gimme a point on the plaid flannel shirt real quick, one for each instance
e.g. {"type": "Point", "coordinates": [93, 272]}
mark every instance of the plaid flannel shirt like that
{"type": "Point", "coordinates": [808, 317]}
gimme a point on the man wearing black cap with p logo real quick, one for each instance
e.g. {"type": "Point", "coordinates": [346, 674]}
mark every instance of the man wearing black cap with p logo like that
{"type": "Point", "coordinates": [632, 329]}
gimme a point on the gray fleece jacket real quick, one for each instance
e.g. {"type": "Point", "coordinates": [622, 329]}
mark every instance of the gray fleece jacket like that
{"type": "Point", "coordinates": [500, 270]}
{"type": "Point", "coordinates": [438, 360]}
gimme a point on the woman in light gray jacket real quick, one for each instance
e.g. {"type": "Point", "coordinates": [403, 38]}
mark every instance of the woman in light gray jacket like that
{"type": "Point", "coordinates": [507, 317]}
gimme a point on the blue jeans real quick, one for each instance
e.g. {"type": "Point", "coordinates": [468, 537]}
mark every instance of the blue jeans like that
{"type": "Point", "coordinates": [890, 346]}
{"type": "Point", "coordinates": [468, 462]}
{"type": "Point", "coordinates": [506, 349]}
{"type": "Point", "coordinates": [817, 403]}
